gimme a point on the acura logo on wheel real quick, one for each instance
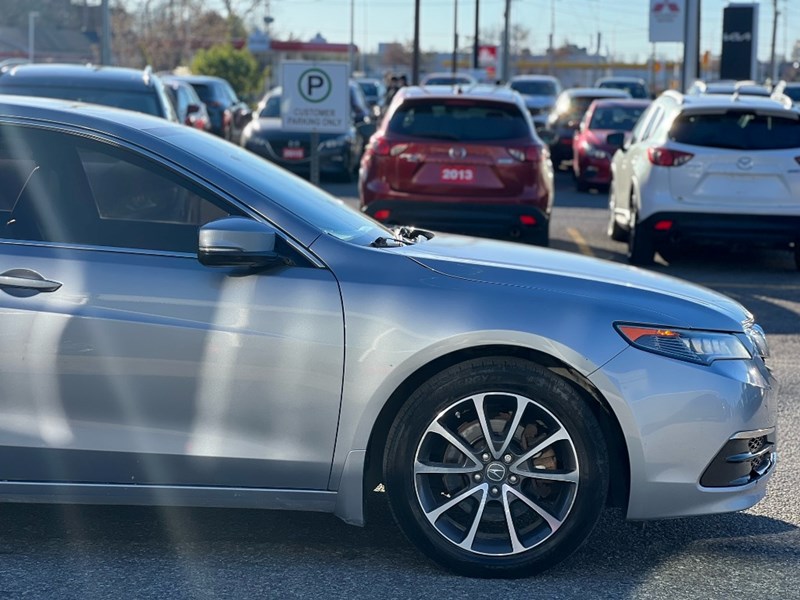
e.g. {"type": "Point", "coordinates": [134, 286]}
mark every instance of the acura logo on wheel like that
{"type": "Point", "coordinates": [457, 153]}
{"type": "Point", "coordinates": [496, 472]}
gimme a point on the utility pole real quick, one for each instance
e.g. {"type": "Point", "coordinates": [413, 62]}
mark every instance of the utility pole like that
{"type": "Point", "coordinates": [506, 43]}
{"type": "Point", "coordinates": [773, 66]}
{"type": "Point", "coordinates": [415, 53]}
{"type": "Point", "coordinates": [352, 38]}
{"type": "Point", "coordinates": [552, 36]}
{"type": "Point", "coordinates": [105, 43]}
{"type": "Point", "coordinates": [455, 37]}
{"type": "Point", "coordinates": [32, 34]}
{"type": "Point", "coordinates": [691, 44]}
{"type": "Point", "coordinates": [476, 43]}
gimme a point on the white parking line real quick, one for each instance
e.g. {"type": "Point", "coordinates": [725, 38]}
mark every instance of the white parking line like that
{"type": "Point", "coordinates": [580, 241]}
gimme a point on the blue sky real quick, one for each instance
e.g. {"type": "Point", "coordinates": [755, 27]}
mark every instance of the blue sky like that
{"type": "Point", "coordinates": [623, 23]}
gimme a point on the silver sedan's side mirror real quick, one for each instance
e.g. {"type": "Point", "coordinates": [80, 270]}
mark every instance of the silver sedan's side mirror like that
{"type": "Point", "coordinates": [237, 242]}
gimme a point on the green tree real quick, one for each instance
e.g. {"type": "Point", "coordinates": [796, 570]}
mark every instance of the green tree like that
{"type": "Point", "coordinates": [239, 67]}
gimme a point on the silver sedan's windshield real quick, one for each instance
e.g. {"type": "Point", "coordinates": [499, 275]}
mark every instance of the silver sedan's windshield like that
{"type": "Point", "coordinates": [315, 206]}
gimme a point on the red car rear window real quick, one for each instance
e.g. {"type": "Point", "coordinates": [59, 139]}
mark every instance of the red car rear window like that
{"type": "Point", "coordinates": [460, 121]}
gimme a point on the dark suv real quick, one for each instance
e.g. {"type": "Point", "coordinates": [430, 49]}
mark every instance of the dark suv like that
{"type": "Point", "coordinates": [228, 114]}
{"type": "Point", "coordinates": [463, 161]}
{"type": "Point", "coordinates": [141, 91]}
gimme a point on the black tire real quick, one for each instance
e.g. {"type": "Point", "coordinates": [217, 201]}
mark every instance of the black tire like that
{"type": "Point", "coordinates": [615, 232]}
{"type": "Point", "coordinates": [553, 420]}
{"type": "Point", "coordinates": [641, 248]}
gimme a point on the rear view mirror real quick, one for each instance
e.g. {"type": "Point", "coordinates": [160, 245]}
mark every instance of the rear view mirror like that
{"type": "Point", "coordinates": [617, 140]}
{"type": "Point", "coordinates": [192, 108]}
{"type": "Point", "coordinates": [237, 242]}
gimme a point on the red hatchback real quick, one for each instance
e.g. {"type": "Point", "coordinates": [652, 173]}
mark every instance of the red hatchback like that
{"type": "Point", "coordinates": [591, 153]}
{"type": "Point", "coordinates": [459, 161]}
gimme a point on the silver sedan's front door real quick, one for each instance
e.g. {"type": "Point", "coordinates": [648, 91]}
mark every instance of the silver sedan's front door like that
{"type": "Point", "coordinates": [149, 368]}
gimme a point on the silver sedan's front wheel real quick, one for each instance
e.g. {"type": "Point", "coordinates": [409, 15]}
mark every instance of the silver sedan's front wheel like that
{"type": "Point", "coordinates": [496, 473]}
{"type": "Point", "coordinates": [496, 467]}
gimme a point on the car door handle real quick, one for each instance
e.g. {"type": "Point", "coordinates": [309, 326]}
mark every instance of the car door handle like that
{"type": "Point", "coordinates": [27, 279]}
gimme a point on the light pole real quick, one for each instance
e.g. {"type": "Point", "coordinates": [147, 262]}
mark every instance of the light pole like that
{"type": "Point", "coordinates": [31, 32]}
{"type": "Point", "coordinates": [455, 37]}
{"type": "Point", "coordinates": [352, 34]}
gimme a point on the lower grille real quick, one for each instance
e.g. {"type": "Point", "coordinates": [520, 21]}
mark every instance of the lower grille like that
{"type": "Point", "coordinates": [745, 458]}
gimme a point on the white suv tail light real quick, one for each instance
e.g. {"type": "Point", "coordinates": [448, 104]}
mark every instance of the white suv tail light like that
{"type": "Point", "coordinates": [664, 157]}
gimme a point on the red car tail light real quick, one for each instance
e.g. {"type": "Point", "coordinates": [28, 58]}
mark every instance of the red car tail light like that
{"type": "Point", "coordinates": [533, 154]}
{"type": "Point", "coordinates": [527, 220]}
{"type": "Point", "coordinates": [664, 225]}
{"type": "Point", "coordinates": [664, 157]}
{"type": "Point", "coordinates": [529, 153]}
{"type": "Point", "coordinates": [380, 146]}
{"type": "Point", "coordinates": [382, 214]}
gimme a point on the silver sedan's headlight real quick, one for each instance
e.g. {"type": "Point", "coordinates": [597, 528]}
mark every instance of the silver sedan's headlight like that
{"type": "Point", "coordinates": [702, 347]}
{"type": "Point", "coordinates": [759, 340]}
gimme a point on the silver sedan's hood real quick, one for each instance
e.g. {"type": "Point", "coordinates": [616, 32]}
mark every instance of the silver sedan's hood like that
{"type": "Point", "coordinates": [674, 301]}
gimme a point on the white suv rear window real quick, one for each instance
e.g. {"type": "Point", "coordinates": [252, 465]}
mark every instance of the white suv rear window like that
{"type": "Point", "coordinates": [739, 130]}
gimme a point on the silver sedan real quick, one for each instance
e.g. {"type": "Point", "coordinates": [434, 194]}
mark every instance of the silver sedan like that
{"type": "Point", "coordinates": [184, 323]}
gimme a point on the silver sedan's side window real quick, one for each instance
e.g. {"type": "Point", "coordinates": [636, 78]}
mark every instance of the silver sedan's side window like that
{"type": "Point", "coordinates": [57, 187]}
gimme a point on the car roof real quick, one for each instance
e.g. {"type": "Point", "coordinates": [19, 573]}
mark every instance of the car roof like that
{"type": "Point", "coordinates": [533, 78]}
{"type": "Point", "coordinates": [199, 78]}
{"type": "Point", "coordinates": [731, 101]}
{"type": "Point", "coordinates": [476, 91]}
{"type": "Point", "coordinates": [634, 102]}
{"type": "Point", "coordinates": [73, 75]}
{"type": "Point", "coordinates": [596, 91]}
{"type": "Point", "coordinates": [621, 79]}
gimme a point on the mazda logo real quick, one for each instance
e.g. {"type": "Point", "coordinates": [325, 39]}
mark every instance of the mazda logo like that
{"type": "Point", "coordinates": [496, 472]}
{"type": "Point", "coordinates": [745, 163]}
{"type": "Point", "coordinates": [457, 153]}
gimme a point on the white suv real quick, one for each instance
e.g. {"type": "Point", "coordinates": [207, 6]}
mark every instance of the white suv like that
{"type": "Point", "coordinates": [707, 169]}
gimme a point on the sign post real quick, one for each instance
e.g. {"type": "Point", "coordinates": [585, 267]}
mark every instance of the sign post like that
{"type": "Point", "coordinates": [315, 99]}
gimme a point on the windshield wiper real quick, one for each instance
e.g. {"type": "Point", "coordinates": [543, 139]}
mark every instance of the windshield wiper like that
{"type": "Point", "coordinates": [390, 242]}
{"type": "Point", "coordinates": [403, 236]}
{"type": "Point", "coordinates": [412, 234]}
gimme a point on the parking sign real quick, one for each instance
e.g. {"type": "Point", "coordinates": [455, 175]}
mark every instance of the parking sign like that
{"type": "Point", "coordinates": [315, 97]}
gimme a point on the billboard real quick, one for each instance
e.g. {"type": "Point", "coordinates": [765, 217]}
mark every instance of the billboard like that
{"type": "Point", "coordinates": [739, 42]}
{"type": "Point", "coordinates": [667, 20]}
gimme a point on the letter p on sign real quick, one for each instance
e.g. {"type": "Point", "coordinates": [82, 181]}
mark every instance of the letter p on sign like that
{"type": "Point", "coordinates": [314, 85]}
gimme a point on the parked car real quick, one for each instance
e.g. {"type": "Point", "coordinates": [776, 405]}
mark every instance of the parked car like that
{"type": "Point", "coordinates": [131, 89]}
{"type": "Point", "coordinates": [464, 161]}
{"type": "Point", "coordinates": [186, 324]}
{"type": "Point", "coordinates": [789, 89]}
{"type": "Point", "coordinates": [229, 115]}
{"type": "Point", "coordinates": [727, 87]}
{"type": "Point", "coordinates": [364, 119]}
{"type": "Point", "coordinates": [635, 86]}
{"type": "Point", "coordinates": [591, 152]}
{"type": "Point", "coordinates": [188, 107]}
{"type": "Point", "coordinates": [374, 93]}
{"type": "Point", "coordinates": [339, 153]}
{"type": "Point", "coordinates": [539, 92]}
{"type": "Point", "coordinates": [563, 120]}
{"type": "Point", "coordinates": [449, 78]}
{"type": "Point", "coordinates": [707, 169]}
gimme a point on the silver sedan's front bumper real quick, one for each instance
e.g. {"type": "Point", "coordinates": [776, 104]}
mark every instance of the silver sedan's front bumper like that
{"type": "Point", "coordinates": [700, 439]}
